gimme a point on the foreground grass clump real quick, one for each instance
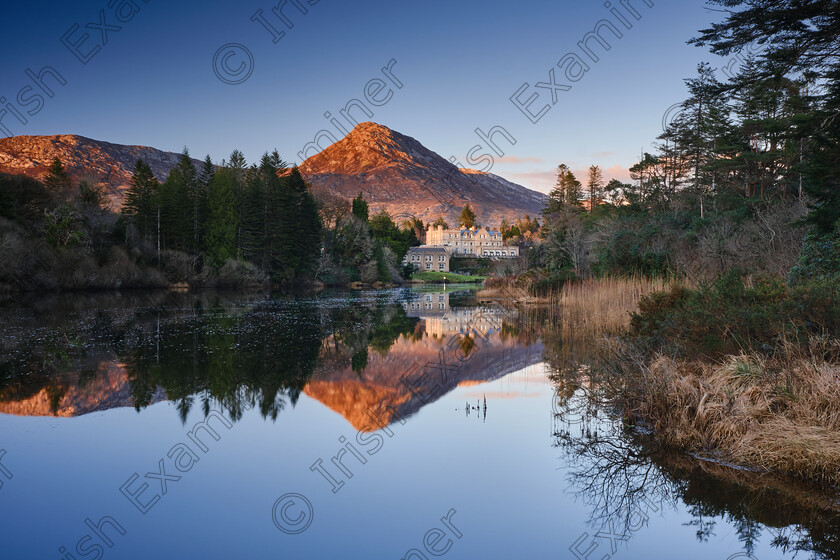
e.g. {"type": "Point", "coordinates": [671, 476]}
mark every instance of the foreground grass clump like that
{"type": "Point", "coordinates": [779, 413]}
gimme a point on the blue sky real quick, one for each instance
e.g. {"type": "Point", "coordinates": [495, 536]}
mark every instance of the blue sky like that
{"type": "Point", "coordinates": [459, 61]}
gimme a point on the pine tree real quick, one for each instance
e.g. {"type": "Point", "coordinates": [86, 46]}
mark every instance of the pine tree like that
{"type": "Point", "coordinates": [57, 179]}
{"type": "Point", "coordinates": [595, 185]}
{"type": "Point", "coordinates": [222, 220]}
{"type": "Point", "coordinates": [176, 207]}
{"type": "Point", "coordinates": [141, 204]}
{"type": "Point", "coordinates": [360, 208]}
{"type": "Point", "coordinates": [467, 217]}
{"type": "Point", "coordinates": [567, 190]}
{"type": "Point", "coordinates": [304, 245]}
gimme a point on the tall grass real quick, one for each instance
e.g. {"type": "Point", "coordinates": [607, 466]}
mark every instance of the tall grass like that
{"type": "Point", "coordinates": [600, 306]}
{"type": "Point", "coordinates": [778, 413]}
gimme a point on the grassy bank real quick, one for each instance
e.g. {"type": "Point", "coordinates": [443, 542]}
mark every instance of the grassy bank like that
{"type": "Point", "coordinates": [777, 414]}
{"type": "Point", "coordinates": [745, 373]}
{"type": "Point", "coordinates": [435, 277]}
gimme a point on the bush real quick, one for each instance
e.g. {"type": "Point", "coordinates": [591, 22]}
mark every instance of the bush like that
{"type": "Point", "coordinates": [728, 316]}
{"type": "Point", "coordinates": [238, 274]}
{"type": "Point", "coordinates": [820, 256]}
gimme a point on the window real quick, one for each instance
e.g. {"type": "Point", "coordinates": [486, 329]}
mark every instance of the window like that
{"type": "Point", "coordinates": [428, 266]}
{"type": "Point", "coordinates": [440, 297]}
{"type": "Point", "coordinates": [441, 266]}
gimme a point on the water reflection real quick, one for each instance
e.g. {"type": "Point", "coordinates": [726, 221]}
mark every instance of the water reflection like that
{"type": "Point", "coordinates": [395, 351]}
{"type": "Point", "coordinates": [386, 356]}
{"type": "Point", "coordinates": [622, 477]}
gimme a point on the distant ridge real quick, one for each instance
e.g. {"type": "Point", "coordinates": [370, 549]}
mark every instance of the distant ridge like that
{"type": "Point", "coordinates": [394, 171]}
{"type": "Point", "coordinates": [106, 164]}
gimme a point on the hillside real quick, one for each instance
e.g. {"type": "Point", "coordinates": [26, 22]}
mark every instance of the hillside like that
{"type": "Point", "coordinates": [399, 174]}
{"type": "Point", "coordinates": [108, 165]}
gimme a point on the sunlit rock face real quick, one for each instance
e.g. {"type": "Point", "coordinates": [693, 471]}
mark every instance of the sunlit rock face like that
{"type": "Point", "coordinates": [399, 174]}
{"type": "Point", "coordinates": [107, 165]}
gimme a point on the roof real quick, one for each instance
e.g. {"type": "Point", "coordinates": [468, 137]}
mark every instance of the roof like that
{"type": "Point", "coordinates": [426, 249]}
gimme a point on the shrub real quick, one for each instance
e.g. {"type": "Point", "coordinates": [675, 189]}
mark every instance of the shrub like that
{"type": "Point", "coordinates": [820, 256]}
{"type": "Point", "coordinates": [729, 316]}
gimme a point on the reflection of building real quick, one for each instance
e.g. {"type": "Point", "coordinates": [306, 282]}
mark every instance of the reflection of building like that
{"type": "Point", "coordinates": [428, 258]}
{"type": "Point", "coordinates": [442, 320]}
{"type": "Point", "coordinates": [481, 242]}
{"type": "Point", "coordinates": [425, 305]}
{"type": "Point", "coordinates": [467, 321]}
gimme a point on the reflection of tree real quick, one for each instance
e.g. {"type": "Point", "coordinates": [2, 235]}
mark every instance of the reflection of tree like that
{"type": "Point", "coordinates": [194, 350]}
{"type": "Point", "coordinates": [617, 473]}
{"type": "Point", "coordinates": [612, 475]}
{"type": "Point", "coordinates": [355, 329]}
{"type": "Point", "coordinates": [258, 357]}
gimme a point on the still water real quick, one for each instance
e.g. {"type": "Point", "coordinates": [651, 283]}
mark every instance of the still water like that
{"type": "Point", "coordinates": [412, 423]}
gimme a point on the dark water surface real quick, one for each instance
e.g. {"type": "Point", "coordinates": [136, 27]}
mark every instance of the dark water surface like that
{"type": "Point", "coordinates": [397, 424]}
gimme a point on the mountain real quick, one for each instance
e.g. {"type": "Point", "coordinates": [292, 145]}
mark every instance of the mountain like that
{"type": "Point", "coordinates": [394, 171]}
{"type": "Point", "coordinates": [108, 165]}
{"type": "Point", "coordinates": [399, 174]}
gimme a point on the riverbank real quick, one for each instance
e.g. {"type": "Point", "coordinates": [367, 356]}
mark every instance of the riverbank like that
{"type": "Point", "coordinates": [742, 373]}
{"type": "Point", "coordinates": [778, 414]}
{"type": "Point", "coordinates": [436, 277]}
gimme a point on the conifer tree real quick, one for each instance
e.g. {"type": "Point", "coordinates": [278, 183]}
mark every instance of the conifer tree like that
{"type": "Point", "coordinates": [360, 208]}
{"type": "Point", "coordinates": [57, 179]}
{"type": "Point", "coordinates": [222, 218]}
{"type": "Point", "coordinates": [141, 200]}
{"type": "Point", "coordinates": [467, 217]}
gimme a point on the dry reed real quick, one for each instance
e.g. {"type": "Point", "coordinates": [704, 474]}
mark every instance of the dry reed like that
{"type": "Point", "coordinates": [779, 413]}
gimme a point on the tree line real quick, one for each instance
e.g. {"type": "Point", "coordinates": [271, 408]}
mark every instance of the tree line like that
{"type": "Point", "coordinates": [262, 214]}
{"type": "Point", "coordinates": [746, 174]}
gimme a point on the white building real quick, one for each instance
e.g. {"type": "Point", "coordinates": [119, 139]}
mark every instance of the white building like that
{"type": "Point", "coordinates": [481, 242]}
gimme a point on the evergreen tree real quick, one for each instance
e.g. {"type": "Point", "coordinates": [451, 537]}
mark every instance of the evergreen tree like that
{"type": "Point", "coordinates": [141, 200]}
{"type": "Point", "coordinates": [467, 217]}
{"type": "Point", "coordinates": [303, 240]}
{"type": "Point", "coordinates": [595, 185]}
{"type": "Point", "coordinates": [360, 208]}
{"type": "Point", "coordinates": [176, 206]}
{"type": "Point", "coordinates": [238, 167]}
{"type": "Point", "coordinates": [57, 179]}
{"type": "Point", "coordinates": [222, 219]}
{"type": "Point", "coordinates": [567, 190]}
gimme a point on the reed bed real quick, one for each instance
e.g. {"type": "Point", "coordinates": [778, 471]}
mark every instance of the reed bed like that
{"type": "Point", "coordinates": [778, 413]}
{"type": "Point", "coordinates": [600, 306]}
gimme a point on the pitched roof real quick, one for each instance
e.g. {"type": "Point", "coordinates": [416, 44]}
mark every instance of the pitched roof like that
{"type": "Point", "coordinates": [427, 249]}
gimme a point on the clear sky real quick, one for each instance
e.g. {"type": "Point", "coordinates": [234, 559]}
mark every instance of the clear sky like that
{"type": "Point", "coordinates": [459, 61]}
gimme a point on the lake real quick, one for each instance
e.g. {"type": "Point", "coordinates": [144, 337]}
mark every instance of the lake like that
{"type": "Point", "coordinates": [406, 423]}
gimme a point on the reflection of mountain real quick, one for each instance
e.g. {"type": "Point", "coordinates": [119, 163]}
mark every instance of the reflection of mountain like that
{"type": "Point", "coordinates": [109, 388]}
{"type": "Point", "coordinates": [457, 346]}
{"type": "Point", "coordinates": [348, 352]}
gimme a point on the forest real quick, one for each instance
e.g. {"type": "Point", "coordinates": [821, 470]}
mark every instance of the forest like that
{"type": "Point", "coordinates": [215, 226]}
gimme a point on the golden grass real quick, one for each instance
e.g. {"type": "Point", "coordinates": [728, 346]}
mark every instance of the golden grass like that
{"type": "Point", "coordinates": [779, 414]}
{"type": "Point", "coordinates": [601, 306]}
